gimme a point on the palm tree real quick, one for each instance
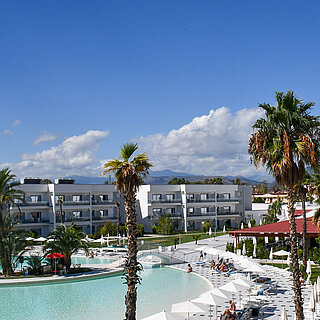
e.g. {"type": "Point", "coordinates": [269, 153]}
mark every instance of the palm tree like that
{"type": "Point", "coordinates": [67, 241]}
{"type": "Point", "coordinates": [9, 196]}
{"type": "Point", "coordinates": [129, 173]}
{"type": "Point", "coordinates": [118, 216]}
{"type": "Point", "coordinates": [284, 142]}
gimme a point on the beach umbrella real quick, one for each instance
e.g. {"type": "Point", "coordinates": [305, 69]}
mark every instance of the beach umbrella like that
{"type": "Point", "coordinates": [242, 226]}
{"type": "Point", "coordinates": [312, 304]}
{"type": "Point", "coordinates": [244, 282]}
{"type": "Point", "coordinates": [210, 299]}
{"type": "Point", "coordinates": [249, 224]}
{"type": "Point", "coordinates": [244, 251]}
{"type": "Point", "coordinates": [54, 256]}
{"type": "Point", "coordinates": [221, 293]}
{"type": "Point", "coordinates": [50, 240]}
{"type": "Point", "coordinates": [29, 239]}
{"type": "Point", "coordinates": [284, 315]}
{"type": "Point", "coordinates": [233, 287]}
{"type": "Point", "coordinates": [315, 294]}
{"type": "Point", "coordinates": [224, 228]}
{"type": "Point", "coordinates": [163, 315]}
{"type": "Point", "coordinates": [309, 269]}
{"type": "Point", "coordinates": [186, 307]}
{"type": "Point", "coordinates": [41, 239]}
{"type": "Point", "coordinates": [254, 254]}
{"type": "Point", "coordinates": [210, 232]}
{"type": "Point", "coordinates": [255, 268]}
{"type": "Point", "coordinates": [318, 285]}
{"type": "Point", "coordinates": [288, 261]}
{"type": "Point", "coordinates": [271, 254]}
{"type": "Point", "coordinates": [260, 222]}
{"type": "Point", "coordinates": [281, 253]}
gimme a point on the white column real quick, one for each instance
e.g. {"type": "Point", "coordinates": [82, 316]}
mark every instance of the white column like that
{"type": "Point", "coordinates": [184, 205]}
{"type": "Point", "coordinates": [90, 211]}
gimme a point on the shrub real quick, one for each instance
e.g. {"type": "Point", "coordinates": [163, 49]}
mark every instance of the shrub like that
{"type": "Point", "coordinates": [206, 226]}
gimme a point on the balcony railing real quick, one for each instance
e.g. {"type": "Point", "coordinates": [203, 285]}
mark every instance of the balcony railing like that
{"type": "Point", "coordinates": [201, 200]}
{"type": "Point", "coordinates": [103, 218]}
{"type": "Point", "coordinates": [75, 203]}
{"type": "Point", "coordinates": [165, 201]}
{"type": "Point", "coordinates": [34, 204]}
{"type": "Point", "coordinates": [24, 221]}
{"type": "Point", "coordinates": [102, 202]}
{"type": "Point", "coordinates": [227, 199]}
{"type": "Point", "coordinates": [153, 217]}
{"type": "Point", "coordinates": [72, 219]}
{"type": "Point", "coordinates": [228, 213]}
{"type": "Point", "coordinates": [200, 214]}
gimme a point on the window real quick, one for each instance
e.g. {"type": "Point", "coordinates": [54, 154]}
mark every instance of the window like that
{"type": "Point", "coordinates": [103, 197]}
{"type": "Point", "coordinates": [156, 197]}
{"type": "Point", "coordinates": [60, 198]}
{"type": "Point", "coordinates": [226, 195]}
{"type": "Point", "coordinates": [190, 197]}
{"type": "Point", "coordinates": [103, 213]}
{"type": "Point", "coordinates": [204, 210]}
{"type": "Point", "coordinates": [226, 209]}
{"type": "Point", "coordinates": [36, 216]}
{"type": "Point", "coordinates": [76, 198]}
{"type": "Point", "coordinates": [76, 214]}
{"type": "Point", "coordinates": [170, 197]}
{"type": "Point", "coordinates": [191, 210]}
{"type": "Point", "coordinates": [203, 196]}
{"type": "Point", "coordinates": [35, 199]}
{"type": "Point", "coordinates": [170, 211]}
{"type": "Point", "coordinates": [156, 211]}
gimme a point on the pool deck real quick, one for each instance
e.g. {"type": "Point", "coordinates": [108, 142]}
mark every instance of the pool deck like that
{"type": "Point", "coordinates": [281, 297]}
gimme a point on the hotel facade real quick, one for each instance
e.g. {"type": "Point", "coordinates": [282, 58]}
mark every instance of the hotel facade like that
{"type": "Point", "coordinates": [91, 205]}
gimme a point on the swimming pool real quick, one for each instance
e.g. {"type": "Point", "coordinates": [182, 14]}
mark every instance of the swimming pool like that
{"type": "Point", "coordinates": [99, 299]}
{"type": "Point", "coordinates": [87, 260]}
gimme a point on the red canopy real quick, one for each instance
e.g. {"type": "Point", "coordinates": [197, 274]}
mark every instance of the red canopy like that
{"type": "Point", "coordinates": [55, 255]}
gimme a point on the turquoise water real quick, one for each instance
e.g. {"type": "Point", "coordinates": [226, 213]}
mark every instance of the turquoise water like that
{"type": "Point", "coordinates": [84, 260]}
{"type": "Point", "coordinates": [101, 299]}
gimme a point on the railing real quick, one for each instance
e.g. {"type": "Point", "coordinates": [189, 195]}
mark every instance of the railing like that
{"type": "Point", "coordinates": [173, 216]}
{"type": "Point", "coordinates": [99, 202]}
{"type": "Point", "coordinates": [165, 201]}
{"type": "Point", "coordinates": [73, 219]}
{"type": "Point", "coordinates": [200, 214]}
{"type": "Point", "coordinates": [34, 204]}
{"type": "Point", "coordinates": [228, 199]}
{"type": "Point", "coordinates": [201, 200]}
{"type": "Point", "coordinates": [33, 221]}
{"type": "Point", "coordinates": [74, 203]}
{"type": "Point", "coordinates": [103, 218]}
{"type": "Point", "coordinates": [229, 213]}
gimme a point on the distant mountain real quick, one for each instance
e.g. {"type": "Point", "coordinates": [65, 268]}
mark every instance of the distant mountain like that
{"type": "Point", "coordinates": [169, 173]}
{"type": "Point", "coordinates": [164, 176]}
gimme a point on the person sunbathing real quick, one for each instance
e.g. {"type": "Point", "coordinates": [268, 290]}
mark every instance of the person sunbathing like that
{"type": "Point", "coordinates": [229, 311]}
{"type": "Point", "coordinates": [189, 268]}
{"type": "Point", "coordinates": [213, 265]}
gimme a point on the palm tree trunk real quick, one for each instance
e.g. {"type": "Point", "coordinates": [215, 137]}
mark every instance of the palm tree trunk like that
{"type": "Point", "coordinates": [6, 267]}
{"type": "Point", "coordinates": [131, 264]}
{"type": "Point", "coordinates": [294, 256]}
{"type": "Point", "coordinates": [304, 230]}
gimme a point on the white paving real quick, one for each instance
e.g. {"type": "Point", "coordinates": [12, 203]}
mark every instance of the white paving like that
{"type": "Point", "coordinates": [281, 296]}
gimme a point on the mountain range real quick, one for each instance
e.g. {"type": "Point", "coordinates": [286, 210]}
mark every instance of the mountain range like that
{"type": "Point", "coordinates": [164, 176]}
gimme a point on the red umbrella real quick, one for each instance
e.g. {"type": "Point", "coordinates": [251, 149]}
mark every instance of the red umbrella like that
{"type": "Point", "coordinates": [55, 256]}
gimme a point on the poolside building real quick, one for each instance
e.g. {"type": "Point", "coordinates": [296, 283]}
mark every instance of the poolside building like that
{"type": "Point", "coordinates": [91, 205]}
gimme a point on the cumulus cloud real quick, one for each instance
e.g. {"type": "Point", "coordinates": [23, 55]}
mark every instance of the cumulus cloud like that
{"type": "Point", "coordinates": [74, 156]}
{"type": "Point", "coordinates": [213, 144]}
{"type": "Point", "coordinates": [16, 123]}
{"type": "Point", "coordinates": [44, 137]}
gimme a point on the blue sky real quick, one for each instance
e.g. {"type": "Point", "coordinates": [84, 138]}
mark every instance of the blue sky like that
{"type": "Point", "coordinates": [102, 73]}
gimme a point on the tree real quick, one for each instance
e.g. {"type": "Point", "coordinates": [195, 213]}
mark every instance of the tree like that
{"type": "Point", "coordinates": [216, 180]}
{"type": "Point", "coordinates": [284, 142]}
{"type": "Point", "coordinates": [67, 241]}
{"type": "Point", "coordinates": [35, 264]}
{"type": "Point", "coordinates": [179, 181]}
{"type": "Point", "coordinates": [128, 174]}
{"type": "Point", "coordinates": [109, 228]}
{"type": "Point", "coordinates": [206, 226]}
{"type": "Point", "coordinates": [196, 237]}
{"type": "Point", "coordinates": [14, 241]}
{"type": "Point", "coordinates": [46, 181]}
{"type": "Point", "coordinates": [165, 224]}
{"type": "Point", "coordinates": [239, 182]}
{"type": "Point", "coordinates": [9, 196]}
{"type": "Point", "coordinates": [313, 183]}
{"type": "Point", "coordinates": [274, 210]}
{"type": "Point", "coordinates": [118, 216]}
{"type": "Point", "coordinates": [262, 187]}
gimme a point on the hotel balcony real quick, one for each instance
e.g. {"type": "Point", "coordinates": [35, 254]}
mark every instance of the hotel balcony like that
{"type": "Point", "coordinates": [228, 199]}
{"type": "Point", "coordinates": [33, 221]}
{"type": "Point", "coordinates": [228, 213]}
{"type": "Point", "coordinates": [34, 204]}
{"type": "Point", "coordinates": [103, 218]}
{"type": "Point", "coordinates": [201, 200]}
{"type": "Point", "coordinates": [103, 202]}
{"type": "Point", "coordinates": [74, 203]}
{"type": "Point", "coordinates": [165, 201]}
{"type": "Point", "coordinates": [155, 217]}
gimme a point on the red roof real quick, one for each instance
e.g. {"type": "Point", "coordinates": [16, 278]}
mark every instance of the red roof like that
{"type": "Point", "coordinates": [277, 229]}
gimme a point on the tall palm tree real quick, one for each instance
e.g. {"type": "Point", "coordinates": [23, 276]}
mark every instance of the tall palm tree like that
{"type": "Point", "coordinates": [129, 172]}
{"type": "Point", "coordinates": [9, 196]}
{"type": "Point", "coordinates": [67, 241]}
{"type": "Point", "coordinates": [284, 142]}
{"type": "Point", "coordinates": [118, 216]}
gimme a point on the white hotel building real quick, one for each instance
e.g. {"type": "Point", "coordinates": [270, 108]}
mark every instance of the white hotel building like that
{"type": "Point", "coordinates": [91, 205]}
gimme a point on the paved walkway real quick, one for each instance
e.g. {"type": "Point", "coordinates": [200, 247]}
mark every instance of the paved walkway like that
{"type": "Point", "coordinates": [281, 296]}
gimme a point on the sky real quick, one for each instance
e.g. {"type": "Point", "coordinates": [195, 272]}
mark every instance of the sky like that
{"type": "Point", "coordinates": [183, 79]}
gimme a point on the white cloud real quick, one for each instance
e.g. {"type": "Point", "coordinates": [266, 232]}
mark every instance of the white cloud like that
{"type": "Point", "coordinates": [6, 132]}
{"type": "Point", "coordinates": [74, 156]}
{"type": "Point", "coordinates": [16, 123]}
{"type": "Point", "coordinates": [213, 144]}
{"type": "Point", "coordinates": [45, 136]}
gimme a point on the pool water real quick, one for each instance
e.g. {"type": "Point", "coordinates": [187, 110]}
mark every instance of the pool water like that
{"type": "Point", "coordinates": [87, 260]}
{"type": "Point", "coordinates": [101, 299]}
